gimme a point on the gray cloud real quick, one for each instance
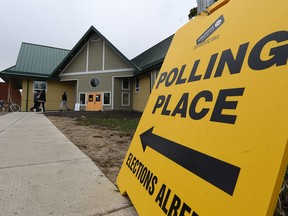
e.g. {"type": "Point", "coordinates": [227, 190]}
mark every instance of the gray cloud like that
{"type": "Point", "coordinates": [131, 25]}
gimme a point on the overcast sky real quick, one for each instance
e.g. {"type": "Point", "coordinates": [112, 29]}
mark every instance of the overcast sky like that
{"type": "Point", "coordinates": [131, 25]}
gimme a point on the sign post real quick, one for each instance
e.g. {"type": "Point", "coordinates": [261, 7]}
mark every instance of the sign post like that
{"type": "Point", "coordinates": [213, 137]}
{"type": "Point", "coordinates": [203, 4]}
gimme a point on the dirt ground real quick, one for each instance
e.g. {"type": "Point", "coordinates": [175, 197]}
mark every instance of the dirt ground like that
{"type": "Point", "coordinates": [106, 147]}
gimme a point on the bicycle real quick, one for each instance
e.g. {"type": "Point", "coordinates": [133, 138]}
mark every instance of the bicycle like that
{"type": "Point", "coordinates": [6, 106]}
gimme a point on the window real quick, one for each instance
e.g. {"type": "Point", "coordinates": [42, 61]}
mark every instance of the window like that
{"type": "Point", "coordinates": [40, 85]}
{"type": "Point", "coordinates": [125, 99]}
{"type": "Point", "coordinates": [125, 84]}
{"type": "Point", "coordinates": [82, 98]}
{"type": "Point", "coordinates": [97, 97]}
{"type": "Point", "coordinates": [94, 82]}
{"type": "Point", "coordinates": [90, 98]}
{"type": "Point", "coordinates": [137, 84]}
{"type": "Point", "coordinates": [107, 98]}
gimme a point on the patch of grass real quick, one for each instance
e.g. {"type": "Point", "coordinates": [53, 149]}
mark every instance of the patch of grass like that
{"type": "Point", "coordinates": [125, 125]}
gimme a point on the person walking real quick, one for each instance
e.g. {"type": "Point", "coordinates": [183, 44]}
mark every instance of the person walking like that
{"type": "Point", "coordinates": [35, 100]}
{"type": "Point", "coordinates": [64, 101]}
{"type": "Point", "coordinates": [42, 100]}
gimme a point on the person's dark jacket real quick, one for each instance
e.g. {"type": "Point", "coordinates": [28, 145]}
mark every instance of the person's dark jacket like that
{"type": "Point", "coordinates": [42, 97]}
{"type": "Point", "coordinates": [64, 97]}
{"type": "Point", "coordinates": [36, 96]}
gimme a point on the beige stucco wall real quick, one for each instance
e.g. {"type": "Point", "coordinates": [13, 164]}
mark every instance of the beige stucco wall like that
{"type": "Point", "coordinates": [27, 94]}
{"type": "Point", "coordinates": [140, 99]}
{"type": "Point", "coordinates": [113, 60]}
{"type": "Point", "coordinates": [54, 93]}
{"type": "Point", "coordinates": [95, 62]}
{"type": "Point", "coordinates": [79, 62]}
{"type": "Point", "coordinates": [97, 50]}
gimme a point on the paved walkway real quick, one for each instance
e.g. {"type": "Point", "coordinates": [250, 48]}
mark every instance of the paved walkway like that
{"type": "Point", "coordinates": [43, 173]}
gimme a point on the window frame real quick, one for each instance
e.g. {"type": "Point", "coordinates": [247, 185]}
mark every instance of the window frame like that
{"type": "Point", "coordinates": [85, 97]}
{"type": "Point", "coordinates": [40, 89]}
{"type": "Point", "coordinates": [137, 84]}
{"type": "Point", "coordinates": [122, 99]}
{"type": "Point", "coordinates": [103, 101]}
{"type": "Point", "coordinates": [128, 82]}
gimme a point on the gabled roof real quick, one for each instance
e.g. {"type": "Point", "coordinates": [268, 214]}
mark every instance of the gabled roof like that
{"type": "Point", "coordinates": [87, 36]}
{"type": "Point", "coordinates": [36, 61]}
{"type": "Point", "coordinates": [153, 57]}
{"type": "Point", "coordinates": [46, 62]}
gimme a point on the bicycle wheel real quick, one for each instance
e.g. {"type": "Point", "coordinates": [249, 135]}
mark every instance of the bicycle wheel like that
{"type": "Point", "coordinates": [15, 107]}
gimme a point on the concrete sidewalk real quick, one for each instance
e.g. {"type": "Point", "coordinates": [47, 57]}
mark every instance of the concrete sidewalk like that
{"type": "Point", "coordinates": [43, 173]}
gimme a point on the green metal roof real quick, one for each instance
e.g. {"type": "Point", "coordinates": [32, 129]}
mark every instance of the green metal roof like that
{"type": "Point", "coordinates": [36, 61]}
{"type": "Point", "coordinates": [153, 57]}
{"type": "Point", "coordinates": [47, 62]}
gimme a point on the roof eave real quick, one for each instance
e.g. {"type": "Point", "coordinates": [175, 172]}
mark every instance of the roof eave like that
{"type": "Point", "coordinates": [86, 37]}
{"type": "Point", "coordinates": [23, 74]}
{"type": "Point", "coordinates": [148, 68]}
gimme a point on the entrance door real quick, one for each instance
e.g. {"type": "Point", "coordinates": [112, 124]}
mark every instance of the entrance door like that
{"type": "Point", "coordinates": [94, 102]}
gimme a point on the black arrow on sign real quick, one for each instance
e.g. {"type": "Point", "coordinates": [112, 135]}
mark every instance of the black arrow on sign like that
{"type": "Point", "coordinates": [218, 173]}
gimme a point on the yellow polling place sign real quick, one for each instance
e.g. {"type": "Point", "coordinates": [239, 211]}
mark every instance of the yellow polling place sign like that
{"type": "Point", "coordinates": [213, 137]}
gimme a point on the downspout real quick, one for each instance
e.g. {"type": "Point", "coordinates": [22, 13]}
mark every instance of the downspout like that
{"type": "Point", "coordinates": [27, 94]}
{"type": "Point", "coordinates": [150, 81]}
{"type": "Point", "coordinates": [8, 93]}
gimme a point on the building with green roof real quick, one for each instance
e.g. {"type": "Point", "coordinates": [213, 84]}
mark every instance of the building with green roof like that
{"type": "Point", "coordinates": [94, 73]}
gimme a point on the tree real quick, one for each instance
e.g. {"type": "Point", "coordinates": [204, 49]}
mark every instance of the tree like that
{"type": "Point", "coordinates": [193, 13]}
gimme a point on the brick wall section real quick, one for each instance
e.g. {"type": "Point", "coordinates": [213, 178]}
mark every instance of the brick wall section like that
{"type": "Point", "coordinates": [15, 93]}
